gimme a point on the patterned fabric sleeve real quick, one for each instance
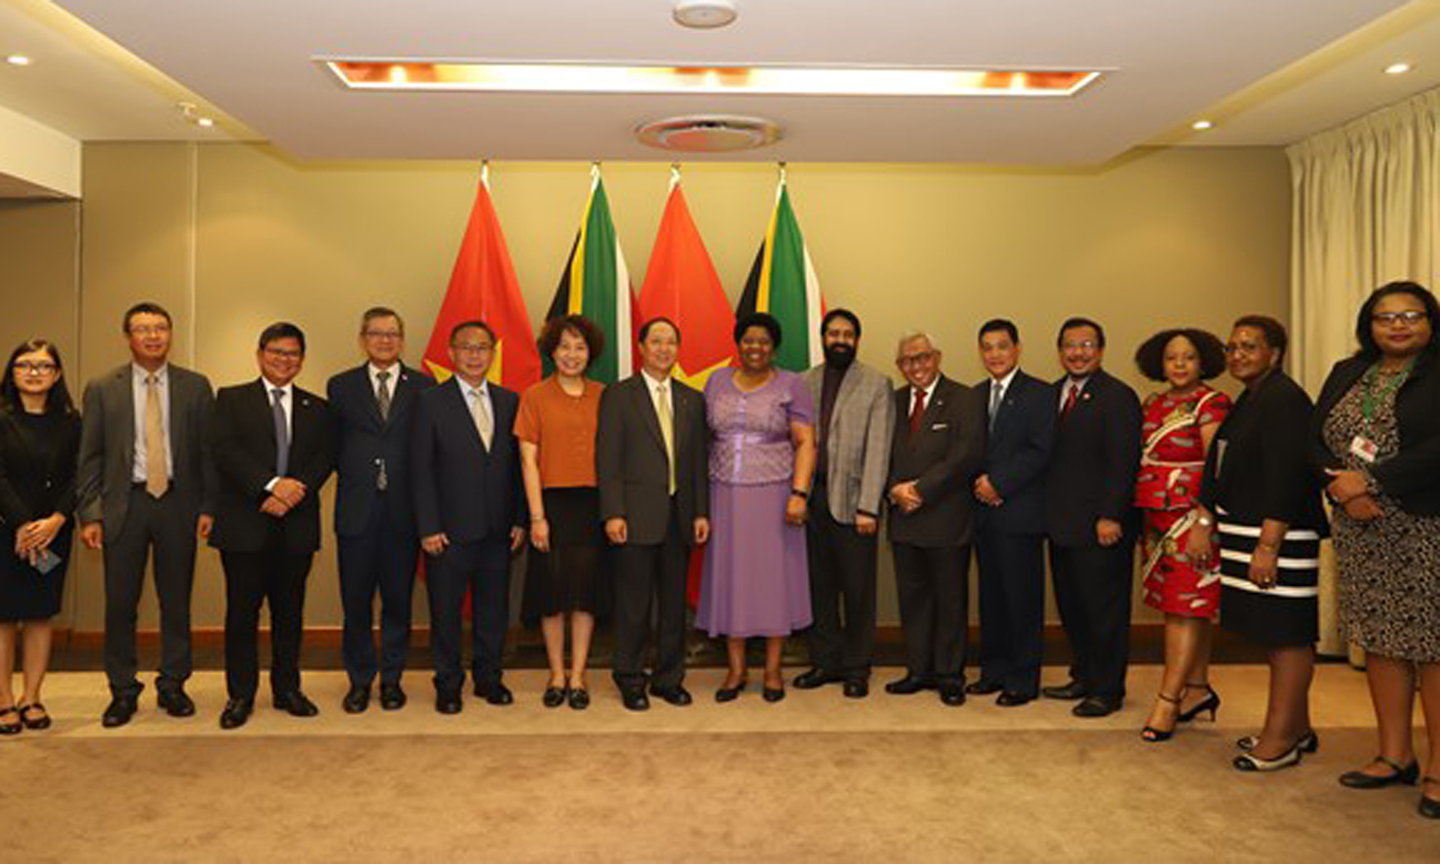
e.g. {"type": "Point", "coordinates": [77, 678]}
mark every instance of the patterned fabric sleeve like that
{"type": "Point", "coordinates": [1215, 410]}
{"type": "Point", "coordinates": [801, 405]}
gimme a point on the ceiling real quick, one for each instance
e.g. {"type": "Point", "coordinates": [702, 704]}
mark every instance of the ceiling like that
{"type": "Point", "coordinates": [1269, 72]}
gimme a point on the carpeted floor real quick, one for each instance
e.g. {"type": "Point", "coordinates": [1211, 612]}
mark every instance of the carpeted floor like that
{"type": "Point", "coordinates": [816, 777]}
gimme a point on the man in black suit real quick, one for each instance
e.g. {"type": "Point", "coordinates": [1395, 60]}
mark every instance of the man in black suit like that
{"type": "Point", "coordinates": [652, 464]}
{"type": "Point", "coordinates": [936, 451]}
{"type": "Point", "coordinates": [1092, 524]}
{"type": "Point", "coordinates": [273, 449]}
{"type": "Point", "coordinates": [470, 512]}
{"type": "Point", "coordinates": [372, 407]}
{"type": "Point", "coordinates": [1010, 543]}
{"type": "Point", "coordinates": [145, 485]}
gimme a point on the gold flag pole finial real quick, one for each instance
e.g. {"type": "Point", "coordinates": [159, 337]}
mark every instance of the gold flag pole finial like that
{"type": "Point", "coordinates": [674, 174]}
{"type": "Point", "coordinates": [782, 173]}
{"type": "Point", "coordinates": [485, 172]}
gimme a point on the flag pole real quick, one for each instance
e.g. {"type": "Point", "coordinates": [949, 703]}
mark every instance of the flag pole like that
{"type": "Point", "coordinates": [485, 172]}
{"type": "Point", "coordinates": [674, 175]}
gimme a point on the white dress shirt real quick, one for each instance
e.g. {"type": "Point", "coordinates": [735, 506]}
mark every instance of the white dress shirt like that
{"type": "Point", "coordinates": [138, 392]}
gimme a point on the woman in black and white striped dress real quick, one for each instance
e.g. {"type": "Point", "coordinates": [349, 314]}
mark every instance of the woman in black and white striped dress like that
{"type": "Point", "coordinates": [1262, 500]}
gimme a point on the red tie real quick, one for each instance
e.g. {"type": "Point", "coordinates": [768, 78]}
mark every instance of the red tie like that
{"type": "Point", "coordinates": [1069, 400]}
{"type": "Point", "coordinates": [917, 411]}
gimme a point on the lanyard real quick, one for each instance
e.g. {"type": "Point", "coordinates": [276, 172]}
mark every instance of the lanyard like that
{"type": "Point", "coordinates": [1372, 397]}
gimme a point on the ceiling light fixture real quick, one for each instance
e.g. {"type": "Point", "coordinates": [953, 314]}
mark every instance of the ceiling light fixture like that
{"type": "Point", "coordinates": [18, 60]}
{"type": "Point", "coordinates": [704, 14]}
{"type": "Point", "coordinates": [1398, 68]}
{"type": "Point", "coordinates": [192, 113]}
{"type": "Point", "coordinates": [740, 80]}
{"type": "Point", "coordinates": [1202, 125]}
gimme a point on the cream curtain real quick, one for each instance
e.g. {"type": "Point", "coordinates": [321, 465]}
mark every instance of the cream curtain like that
{"type": "Point", "coordinates": [1365, 211]}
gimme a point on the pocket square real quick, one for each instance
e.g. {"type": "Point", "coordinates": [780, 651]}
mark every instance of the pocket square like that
{"type": "Point", "coordinates": [938, 427]}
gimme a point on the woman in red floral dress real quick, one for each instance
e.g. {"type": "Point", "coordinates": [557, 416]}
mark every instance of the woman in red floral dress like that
{"type": "Point", "coordinates": [1179, 424]}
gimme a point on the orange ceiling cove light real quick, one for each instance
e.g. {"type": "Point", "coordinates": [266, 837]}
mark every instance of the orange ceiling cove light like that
{"type": "Point", "coordinates": [740, 80]}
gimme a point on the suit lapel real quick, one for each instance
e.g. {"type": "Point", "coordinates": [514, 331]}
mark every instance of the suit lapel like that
{"type": "Point", "coordinates": [649, 416]}
{"type": "Point", "coordinates": [125, 383]}
{"type": "Point", "coordinates": [848, 384]}
{"type": "Point", "coordinates": [461, 409]}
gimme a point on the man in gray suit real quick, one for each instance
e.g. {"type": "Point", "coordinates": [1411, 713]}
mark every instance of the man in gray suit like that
{"type": "Point", "coordinates": [142, 484]}
{"type": "Point", "coordinates": [857, 418]}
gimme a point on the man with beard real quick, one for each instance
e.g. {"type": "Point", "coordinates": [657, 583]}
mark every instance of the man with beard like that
{"type": "Point", "coordinates": [853, 454]}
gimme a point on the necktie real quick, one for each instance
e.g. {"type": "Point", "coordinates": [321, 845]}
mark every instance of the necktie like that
{"type": "Point", "coordinates": [1070, 395]}
{"type": "Point", "coordinates": [917, 410]}
{"type": "Point", "coordinates": [157, 475]}
{"type": "Point", "coordinates": [996, 392]}
{"type": "Point", "coordinates": [282, 432]}
{"type": "Point", "coordinates": [484, 423]}
{"type": "Point", "coordinates": [667, 431]}
{"type": "Point", "coordinates": [382, 395]}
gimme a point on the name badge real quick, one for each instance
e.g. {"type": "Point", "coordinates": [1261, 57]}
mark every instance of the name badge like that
{"type": "Point", "coordinates": [1364, 449]}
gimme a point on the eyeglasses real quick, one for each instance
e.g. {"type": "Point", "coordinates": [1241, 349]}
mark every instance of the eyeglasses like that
{"type": "Point", "coordinates": [1410, 317]}
{"type": "Point", "coordinates": [472, 348]}
{"type": "Point", "coordinates": [149, 329]}
{"type": "Point", "coordinates": [284, 354]}
{"type": "Point", "coordinates": [1244, 348]}
{"type": "Point", "coordinates": [1087, 345]}
{"type": "Point", "coordinates": [29, 368]}
{"type": "Point", "coordinates": [915, 359]}
{"type": "Point", "coordinates": [384, 334]}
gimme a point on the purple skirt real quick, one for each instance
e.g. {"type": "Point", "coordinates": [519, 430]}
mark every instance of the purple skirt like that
{"type": "Point", "coordinates": [756, 581]}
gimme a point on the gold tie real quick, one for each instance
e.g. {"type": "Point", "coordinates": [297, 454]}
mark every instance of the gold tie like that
{"type": "Point", "coordinates": [667, 431]}
{"type": "Point", "coordinates": [157, 475]}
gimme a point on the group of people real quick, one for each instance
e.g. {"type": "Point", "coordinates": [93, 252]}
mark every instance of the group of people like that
{"type": "Point", "coordinates": [784, 480]}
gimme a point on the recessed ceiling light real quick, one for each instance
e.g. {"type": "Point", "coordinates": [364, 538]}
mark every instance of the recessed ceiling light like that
{"type": "Point", "coordinates": [1201, 125]}
{"type": "Point", "coordinates": [1397, 68]}
{"type": "Point", "coordinates": [747, 80]}
{"type": "Point", "coordinates": [704, 14]}
{"type": "Point", "coordinates": [204, 121]}
{"type": "Point", "coordinates": [18, 60]}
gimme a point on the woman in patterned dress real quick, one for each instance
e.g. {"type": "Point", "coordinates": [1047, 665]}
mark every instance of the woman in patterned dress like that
{"type": "Point", "coordinates": [1378, 421]}
{"type": "Point", "coordinates": [1179, 425]}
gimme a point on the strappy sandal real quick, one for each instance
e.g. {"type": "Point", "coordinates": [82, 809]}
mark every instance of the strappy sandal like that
{"type": "Point", "coordinates": [37, 723]}
{"type": "Point", "coordinates": [10, 727]}
{"type": "Point", "coordinates": [1155, 736]}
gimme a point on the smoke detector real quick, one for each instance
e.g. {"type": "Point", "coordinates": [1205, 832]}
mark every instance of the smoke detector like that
{"type": "Point", "coordinates": [709, 133]}
{"type": "Point", "coordinates": [704, 14]}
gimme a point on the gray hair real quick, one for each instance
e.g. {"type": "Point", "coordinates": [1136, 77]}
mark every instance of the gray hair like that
{"type": "Point", "coordinates": [911, 336]}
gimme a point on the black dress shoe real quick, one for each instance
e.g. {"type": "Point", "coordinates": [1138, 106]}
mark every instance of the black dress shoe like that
{"type": "Point", "coordinates": [773, 694]}
{"type": "Point", "coordinates": [908, 685]}
{"type": "Point", "coordinates": [357, 700]}
{"type": "Point", "coordinates": [677, 695]}
{"type": "Point", "coordinates": [857, 688]}
{"type": "Point", "coordinates": [176, 702]}
{"type": "Point", "coordinates": [392, 698]}
{"type": "Point", "coordinates": [952, 694]}
{"type": "Point", "coordinates": [554, 697]}
{"type": "Point", "coordinates": [236, 712]}
{"type": "Point", "coordinates": [1406, 775]}
{"type": "Point", "coordinates": [982, 688]}
{"type": "Point", "coordinates": [580, 699]}
{"type": "Point", "coordinates": [1073, 690]}
{"type": "Point", "coordinates": [296, 704]}
{"type": "Point", "coordinates": [813, 678]}
{"type": "Point", "coordinates": [1010, 699]}
{"type": "Point", "coordinates": [448, 701]}
{"type": "Point", "coordinates": [495, 693]}
{"type": "Point", "coordinates": [635, 699]}
{"type": "Point", "coordinates": [119, 712]}
{"type": "Point", "coordinates": [1096, 706]}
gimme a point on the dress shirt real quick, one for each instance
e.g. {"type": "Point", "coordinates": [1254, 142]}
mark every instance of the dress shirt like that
{"type": "Point", "coordinates": [1002, 384]}
{"type": "Point", "coordinates": [287, 408]}
{"type": "Point", "coordinates": [929, 396]}
{"type": "Point", "coordinates": [394, 381]}
{"type": "Point", "coordinates": [481, 392]}
{"type": "Point", "coordinates": [655, 385]}
{"type": "Point", "coordinates": [1077, 383]}
{"type": "Point", "coordinates": [142, 447]}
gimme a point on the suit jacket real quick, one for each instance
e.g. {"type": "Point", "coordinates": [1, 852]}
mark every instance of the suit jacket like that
{"type": "Point", "coordinates": [857, 444]}
{"type": "Point", "coordinates": [944, 456]}
{"type": "Point", "coordinates": [364, 442]}
{"type": "Point", "coordinates": [1017, 452]}
{"type": "Point", "coordinates": [632, 469]}
{"type": "Point", "coordinates": [31, 486]}
{"type": "Point", "coordinates": [243, 444]}
{"type": "Point", "coordinates": [1094, 462]}
{"type": "Point", "coordinates": [460, 488]}
{"type": "Point", "coordinates": [107, 446]}
{"type": "Point", "coordinates": [1411, 476]}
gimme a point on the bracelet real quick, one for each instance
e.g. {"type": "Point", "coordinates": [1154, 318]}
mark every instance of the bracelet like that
{"type": "Point", "coordinates": [540, 518]}
{"type": "Point", "coordinates": [799, 493]}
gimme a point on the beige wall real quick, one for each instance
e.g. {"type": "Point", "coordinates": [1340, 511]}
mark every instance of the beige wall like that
{"type": "Point", "coordinates": [231, 237]}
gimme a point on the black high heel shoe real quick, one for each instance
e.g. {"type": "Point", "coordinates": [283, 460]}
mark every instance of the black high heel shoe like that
{"type": "Point", "coordinates": [1429, 807]}
{"type": "Point", "coordinates": [1210, 703]}
{"type": "Point", "coordinates": [1154, 735]}
{"type": "Point", "coordinates": [728, 694]}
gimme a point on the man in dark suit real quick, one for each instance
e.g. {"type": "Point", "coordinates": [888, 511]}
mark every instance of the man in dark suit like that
{"type": "Point", "coordinates": [1089, 517]}
{"type": "Point", "coordinates": [470, 513]}
{"type": "Point", "coordinates": [852, 463]}
{"type": "Point", "coordinates": [373, 408]}
{"type": "Point", "coordinates": [144, 484]}
{"type": "Point", "coordinates": [937, 449]}
{"type": "Point", "coordinates": [652, 464]}
{"type": "Point", "coordinates": [273, 448]}
{"type": "Point", "coordinates": [1010, 543]}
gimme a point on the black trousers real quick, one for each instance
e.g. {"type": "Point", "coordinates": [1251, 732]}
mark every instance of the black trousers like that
{"type": "Point", "coordinates": [1092, 590]}
{"type": "Point", "coordinates": [934, 608]}
{"type": "Point", "coordinates": [381, 558]}
{"type": "Point", "coordinates": [276, 576]}
{"type": "Point", "coordinates": [655, 571]}
{"type": "Point", "coordinates": [482, 568]}
{"type": "Point", "coordinates": [167, 528]}
{"type": "Point", "coordinates": [842, 577]}
{"type": "Point", "coordinates": [1012, 609]}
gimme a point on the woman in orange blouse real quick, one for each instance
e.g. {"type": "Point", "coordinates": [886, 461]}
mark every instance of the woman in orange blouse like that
{"type": "Point", "coordinates": [556, 427]}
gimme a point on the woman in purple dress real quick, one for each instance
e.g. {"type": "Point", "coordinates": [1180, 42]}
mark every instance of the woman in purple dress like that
{"type": "Point", "coordinates": [761, 457]}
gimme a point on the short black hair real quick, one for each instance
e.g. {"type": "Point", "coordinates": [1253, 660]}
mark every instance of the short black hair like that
{"type": "Point", "coordinates": [840, 313]}
{"type": "Point", "coordinates": [1150, 356]}
{"type": "Point", "coordinates": [995, 325]}
{"type": "Point", "coordinates": [763, 320]}
{"type": "Point", "coordinates": [1080, 321]}
{"type": "Point", "coordinates": [579, 325]}
{"type": "Point", "coordinates": [473, 322]}
{"type": "Point", "coordinates": [1274, 331]}
{"type": "Point", "coordinates": [1368, 346]}
{"type": "Point", "coordinates": [145, 307]}
{"type": "Point", "coordinates": [57, 401]}
{"type": "Point", "coordinates": [659, 319]}
{"type": "Point", "coordinates": [380, 312]}
{"type": "Point", "coordinates": [282, 330]}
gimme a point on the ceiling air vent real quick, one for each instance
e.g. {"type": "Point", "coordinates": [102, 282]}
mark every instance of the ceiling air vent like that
{"type": "Point", "coordinates": [709, 133]}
